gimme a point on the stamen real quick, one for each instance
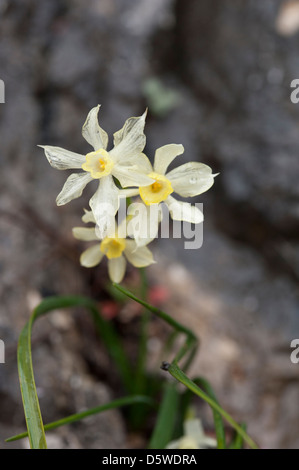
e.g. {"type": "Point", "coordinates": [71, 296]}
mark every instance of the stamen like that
{"type": "Point", "coordinates": [156, 186]}
{"type": "Point", "coordinates": [102, 164]}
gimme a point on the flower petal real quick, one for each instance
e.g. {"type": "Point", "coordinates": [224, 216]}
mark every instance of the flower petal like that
{"type": "Point", "coordinates": [209, 442]}
{"type": "Point", "coordinates": [129, 192]}
{"type": "Point", "coordinates": [62, 159]}
{"type": "Point", "coordinates": [134, 173]}
{"type": "Point", "coordinates": [136, 162]}
{"type": "Point", "coordinates": [88, 217]}
{"type": "Point", "coordinates": [130, 140]}
{"type": "Point", "coordinates": [73, 187]}
{"type": "Point", "coordinates": [191, 179]}
{"type": "Point", "coordinates": [193, 429]}
{"type": "Point", "coordinates": [117, 268]}
{"type": "Point", "coordinates": [184, 211]}
{"type": "Point", "coordinates": [92, 256]}
{"type": "Point", "coordinates": [92, 132]}
{"type": "Point", "coordinates": [138, 256]}
{"type": "Point", "coordinates": [165, 155]}
{"type": "Point", "coordinates": [143, 224]}
{"type": "Point", "coordinates": [104, 205]}
{"type": "Point", "coordinates": [85, 233]}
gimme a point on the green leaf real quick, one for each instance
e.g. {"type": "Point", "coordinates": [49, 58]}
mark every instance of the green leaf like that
{"type": "Point", "coordinates": [125, 401]}
{"type": "Point", "coordinates": [32, 412]}
{"type": "Point", "coordinates": [139, 385]}
{"type": "Point", "coordinates": [166, 419]}
{"type": "Point", "coordinates": [218, 421]}
{"type": "Point", "coordinates": [30, 400]}
{"type": "Point", "coordinates": [178, 374]}
{"type": "Point", "coordinates": [237, 442]}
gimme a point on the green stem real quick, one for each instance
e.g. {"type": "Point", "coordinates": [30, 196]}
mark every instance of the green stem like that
{"type": "Point", "coordinates": [139, 384]}
{"type": "Point", "coordinates": [191, 339]}
{"type": "Point", "coordinates": [171, 321]}
{"type": "Point", "coordinates": [142, 348]}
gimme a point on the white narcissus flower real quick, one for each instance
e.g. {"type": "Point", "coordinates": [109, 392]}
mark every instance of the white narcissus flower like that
{"type": "Point", "coordinates": [115, 247]}
{"type": "Point", "coordinates": [125, 161]}
{"type": "Point", "coordinates": [187, 180]}
{"type": "Point", "coordinates": [193, 438]}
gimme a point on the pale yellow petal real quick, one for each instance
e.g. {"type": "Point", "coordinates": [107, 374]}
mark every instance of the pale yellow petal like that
{"type": "Point", "coordinates": [144, 222]}
{"type": "Point", "coordinates": [184, 211]}
{"type": "Point", "coordinates": [84, 233]}
{"type": "Point", "coordinates": [73, 188]}
{"type": "Point", "coordinates": [92, 256]}
{"type": "Point", "coordinates": [191, 179]}
{"type": "Point", "coordinates": [193, 430]}
{"type": "Point", "coordinates": [130, 176]}
{"type": "Point", "coordinates": [138, 256]}
{"type": "Point", "coordinates": [117, 268]}
{"type": "Point", "coordinates": [130, 140]}
{"type": "Point", "coordinates": [187, 442]}
{"type": "Point", "coordinates": [92, 132]}
{"type": "Point", "coordinates": [88, 217]}
{"type": "Point", "coordinates": [129, 192]}
{"type": "Point", "coordinates": [133, 171]}
{"type": "Point", "coordinates": [104, 205]}
{"type": "Point", "coordinates": [165, 155]}
{"type": "Point", "coordinates": [62, 159]}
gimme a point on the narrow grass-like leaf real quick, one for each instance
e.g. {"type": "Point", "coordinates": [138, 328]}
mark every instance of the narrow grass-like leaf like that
{"type": "Point", "coordinates": [237, 442]}
{"type": "Point", "coordinates": [190, 346]}
{"type": "Point", "coordinates": [166, 419]}
{"type": "Point", "coordinates": [125, 401]}
{"type": "Point", "coordinates": [169, 343]}
{"type": "Point", "coordinates": [178, 374]}
{"type": "Point", "coordinates": [192, 354]}
{"type": "Point", "coordinates": [218, 421]}
{"type": "Point", "coordinates": [31, 406]}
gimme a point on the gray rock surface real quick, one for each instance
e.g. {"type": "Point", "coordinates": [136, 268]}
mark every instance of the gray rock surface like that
{"type": "Point", "coordinates": [240, 67]}
{"type": "Point", "coordinates": [226, 69]}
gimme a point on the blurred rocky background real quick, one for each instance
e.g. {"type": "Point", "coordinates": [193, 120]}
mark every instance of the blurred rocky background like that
{"type": "Point", "coordinates": [216, 78]}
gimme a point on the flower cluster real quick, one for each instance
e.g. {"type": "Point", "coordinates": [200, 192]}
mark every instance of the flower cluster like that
{"type": "Point", "coordinates": [122, 172]}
